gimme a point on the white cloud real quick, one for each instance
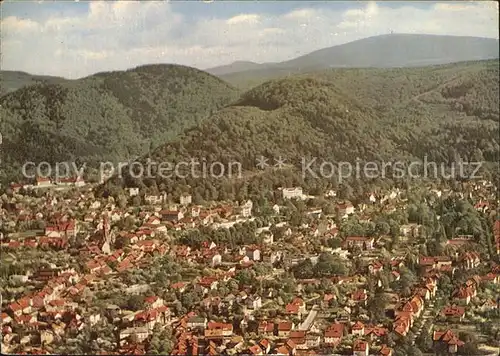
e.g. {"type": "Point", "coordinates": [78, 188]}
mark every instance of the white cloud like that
{"type": "Point", "coordinates": [120, 35]}
{"type": "Point", "coordinates": [243, 18]}
{"type": "Point", "coordinates": [300, 14]}
{"type": "Point", "coordinates": [13, 26]}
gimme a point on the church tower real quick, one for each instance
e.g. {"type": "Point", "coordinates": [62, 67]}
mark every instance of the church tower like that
{"type": "Point", "coordinates": [106, 235]}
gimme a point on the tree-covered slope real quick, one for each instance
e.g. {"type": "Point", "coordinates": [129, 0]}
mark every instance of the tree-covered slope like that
{"type": "Point", "coordinates": [367, 116]}
{"type": "Point", "coordinates": [442, 112]}
{"type": "Point", "coordinates": [288, 117]}
{"type": "Point", "coordinates": [106, 116]}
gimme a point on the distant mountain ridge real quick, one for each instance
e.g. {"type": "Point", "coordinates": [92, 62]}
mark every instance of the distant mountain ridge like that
{"type": "Point", "coordinates": [238, 66]}
{"type": "Point", "coordinates": [384, 51]}
{"type": "Point", "coordinates": [400, 50]}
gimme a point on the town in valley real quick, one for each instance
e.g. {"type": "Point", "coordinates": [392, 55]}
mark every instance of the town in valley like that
{"type": "Point", "coordinates": [287, 178]}
{"type": "Point", "coordinates": [148, 273]}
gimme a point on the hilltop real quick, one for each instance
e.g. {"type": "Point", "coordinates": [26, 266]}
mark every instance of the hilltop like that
{"type": "Point", "coordinates": [385, 51]}
{"type": "Point", "coordinates": [238, 66]}
{"type": "Point", "coordinates": [442, 112]}
{"type": "Point", "coordinates": [108, 116]}
{"type": "Point", "coordinates": [12, 80]}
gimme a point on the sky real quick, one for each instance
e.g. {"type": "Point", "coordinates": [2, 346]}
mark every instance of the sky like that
{"type": "Point", "coordinates": [74, 39]}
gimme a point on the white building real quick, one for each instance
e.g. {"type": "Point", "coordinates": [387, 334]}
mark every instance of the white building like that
{"type": "Point", "coordinates": [293, 193]}
{"type": "Point", "coordinates": [141, 334]}
{"type": "Point", "coordinates": [186, 199]}
{"type": "Point", "coordinates": [155, 199]}
{"type": "Point", "coordinates": [246, 209]}
{"type": "Point", "coordinates": [133, 192]}
{"type": "Point", "coordinates": [268, 237]}
{"type": "Point", "coordinates": [216, 260]}
{"type": "Point", "coordinates": [344, 210]}
{"type": "Point", "coordinates": [77, 181]}
{"type": "Point", "coordinates": [331, 194]}
{"type": "Point", "coordinates": [43, 182]}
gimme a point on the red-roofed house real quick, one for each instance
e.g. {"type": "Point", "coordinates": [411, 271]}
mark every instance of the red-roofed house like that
{"type": "Point", "coordinates": [265, 345]}
{"type": "Point", "coordinates": [463, 295]}
{"type": "Point", "coordinates": [385, 351]}
{"type": "Point", "coordinates": [298, 337]}
{"type": "Point", "coordinates": [216, 330]}
{"type": "Point", "coordinates": [364, 243]}
{"type": "Point", "coordinates": [266, 328]}
{"type": "Point", "coordinates": [171, 215]}
{"type": "Point", "coordinates": [454, 313]}
{"type": "Point", "coordinates": [344, 210]}
{"type": "Point", "coordinates": [360, 348]}
{"type": "Point", "coordinates": [282, 351]}
{"type": "Point", "coordinates": [482, 206]}
{"type": "Point", "coordinates": [255, 350]}
{"type": "Point", "coordinates": [284, 328]}
{"type": "Point", "coordinates": [491, 278]}
{"type": "Point", "coordinates": [16, 309]}
{"type": "Point", "coordinates": [375, 267]}
{"type": "Point", "coordinates": [375, 332]}
{"type": "Point", "coordinates": [470, 260]}
{"type": "Point", "coordinates": [25, 304]}
{"type": "Point", "coordinates": [360, 296]}
{"type": "Point", "coordinates": [358, 328]}
{"type": "Point", "coordinates": [333, 335]}
{"type": "Point", "coordinates": [153, 302]}
{"type": "Point", "coordinates": [179, 286]}
{"type": "Point", "coordinates": [449, 339]}
{"type": "Point", "coordinates": [402, 324]}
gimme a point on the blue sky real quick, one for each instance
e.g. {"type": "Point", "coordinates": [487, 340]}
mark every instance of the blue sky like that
{"type": "Point", "coordinates": [75, 39]}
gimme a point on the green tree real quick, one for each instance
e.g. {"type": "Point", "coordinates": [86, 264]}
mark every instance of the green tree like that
{"type": "Point", "coordinates": [135, 302]}
{"type": "Point", "coordinates": [377, 306]}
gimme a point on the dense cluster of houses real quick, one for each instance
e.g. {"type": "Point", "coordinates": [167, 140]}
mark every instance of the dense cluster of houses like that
{"type": "Point", "coordinates": [106, 242]}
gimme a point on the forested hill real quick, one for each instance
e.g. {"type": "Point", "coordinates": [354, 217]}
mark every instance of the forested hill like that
{"type": "Point", "coordinates": [444, 112]}
{"type": "Point", "coordinates": [114, 115]}
{"type": "Point", "coordinates": [13, 80]}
